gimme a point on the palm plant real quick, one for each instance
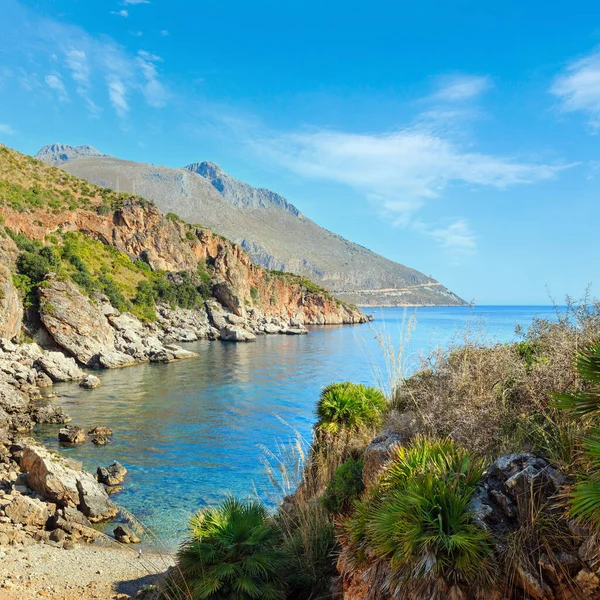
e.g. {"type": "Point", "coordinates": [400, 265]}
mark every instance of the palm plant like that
{"type": "Point", "coordinates": [233, 553]}
{"type": "Point", "coordinates": [351, 406]}
{"type": "Point", "coordinates": [585, 494]}
{"type": "Point", "coordinates": [418, 522]}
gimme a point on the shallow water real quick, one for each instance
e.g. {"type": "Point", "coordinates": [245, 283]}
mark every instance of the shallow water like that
{"type": "Point", "coordinates": [193, 431]}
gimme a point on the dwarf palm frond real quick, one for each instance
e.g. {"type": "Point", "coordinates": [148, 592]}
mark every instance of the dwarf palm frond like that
{"type": "Point", "coordinates": [349, 405]}
{"type": "Point", "coordinates": [585, 493]}
{"type": "Point", "coordinates": [232, 554]}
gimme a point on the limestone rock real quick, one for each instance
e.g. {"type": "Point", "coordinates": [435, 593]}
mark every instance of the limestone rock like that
{"type": "Point", "coordinates": [59, 367]}
{"type": "Point", "coordinates": [124, 535]}
{"type": "Point", "coordinates": [112, 475]}
{"type": "Point", "coordinates": [101, 430]}
{"type": "Point", "coordinates": [27, 511]}
{"type": "Point", "coordinates": [90, 382]}
{"type": "Point", "coordinates": [54, 479]}
{"type": "Point", "coordinates": [75, 323]}
{"type": "Point", "coordinates": [71, 435]}
{"type": "Point", "coordinates": [233, 333]}
{"type": "Point", "coordinates": [11, 305]}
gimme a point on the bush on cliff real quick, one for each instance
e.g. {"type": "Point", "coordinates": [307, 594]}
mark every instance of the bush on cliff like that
{"type": "Point", "coordinates": [344, 487]}
{"type": "Point", "coordinates": [349, 406]}
{"type": "Point", "coordinates": [233, 553]}
{"type": "Point", "coordinates": [417, 523]}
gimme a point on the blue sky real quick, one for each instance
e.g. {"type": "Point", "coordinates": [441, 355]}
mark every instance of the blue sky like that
{"type": "Point", "coordinates": [456, 138]}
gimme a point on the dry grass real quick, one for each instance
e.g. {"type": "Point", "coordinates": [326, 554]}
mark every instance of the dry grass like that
{"type": "Point", "coordinates": [496, 399]}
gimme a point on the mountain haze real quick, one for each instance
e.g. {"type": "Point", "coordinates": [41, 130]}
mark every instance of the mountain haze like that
{"type": "Point", "coordinates": [273, 231]}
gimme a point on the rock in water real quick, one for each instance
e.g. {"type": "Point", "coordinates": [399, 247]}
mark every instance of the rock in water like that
{"type": "Point", "coordinates": [71, 435]}
{"type": "Point", "coordinates": [99, 430]}
{"type": "Point", "coordinates": [54, 479]}
{"type": "Point", "coordinates": [90, 382]}
{"type": "Point", "coordinates": [124, 535]}
{"type": "Point", "coordinates": [58, 367]}
{"type": "Point", "coordinates": [112, 475]}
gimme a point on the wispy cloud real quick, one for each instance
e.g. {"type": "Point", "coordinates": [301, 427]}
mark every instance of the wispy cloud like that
{"type": "Point", "coordinates": [120, 13]}
{"type": "Point", "coordinates": [6, 129]}
{"type": "Point", "coordinates": [136, 1]}
{"type": "Point", "coordinates": [457, 239]}
{"type": "Point", "coordinates": [117, 94]}
{"type": "Point", "coordinates": [97, 67]}
{"type": "Point", "coordinates": [578, 88]}
{"type": "Point", "coordinates": [153, 90]}
{"type": "Point", "coordinates": [397, 171]}
{"type": "Point", "coordinates": [55, 83]}
{"type": "Point", "coordinates": [460, 88]}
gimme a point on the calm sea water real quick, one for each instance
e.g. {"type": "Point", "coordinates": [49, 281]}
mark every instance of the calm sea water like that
{"type": "Point", "coordinates": [191, 432]}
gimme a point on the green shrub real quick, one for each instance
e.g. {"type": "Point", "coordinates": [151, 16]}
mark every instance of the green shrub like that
{"type": "Point", "coordinates": [350, 406]}
{"type": "Point", "coordinates": [254, 294]}
{"type": "Point", "coordinates": [34, 266]}
{"type": "Point", "coordinates": [418, 522]}
{"type": "Point", "coordinates": [110, 288]}
{"type": "Point", "coordinates": [23, 242]}
{"type": "Point", "coordinates": [233, 553]}
{"type": "Point", "coordinates": [344, 487]}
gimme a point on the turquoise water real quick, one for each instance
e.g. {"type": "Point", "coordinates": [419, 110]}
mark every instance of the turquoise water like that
{"type": "Point", "coordinates": [191, 432]}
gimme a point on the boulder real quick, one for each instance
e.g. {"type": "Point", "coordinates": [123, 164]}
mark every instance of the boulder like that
{"type": "Point", "coordinates": [27, 511]}
{"type": "Point", "coordinates": [378, 452]}
{"type": "Point", "coordinates": [11, 305]}
{"type": "Point", "coordinates": [75, 322]}
{"type": "Point", "coordinates": [112, 475]}
{"type": "Point", "coordinates": [101, 430]}
{"type": "Point", "coordinates": [11, 399]}
{"type": "Point", "coordinates": [100, 440]}
{"type": "Point", "coordinates": [46, 412]}
{"type": "Point", "coordinates": [54, 479]}
{"type": "Point", "coordinates": [59, 367]}
{"type": "Point", "coordinates": [124, 535]}
{"type": "Point", "coordinates": [233, 333]}
{"type": "Point", "coordinates": [90, 382]}
{"type": "Point", "coordinates": [71, 435]}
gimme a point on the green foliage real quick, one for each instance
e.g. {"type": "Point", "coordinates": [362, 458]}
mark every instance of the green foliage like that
{"type": "Point", "coordinates": [418, 521]}
{"type": "Point", "coordinates": [349, 406]}
{"type": "Point", "coordinates": [254, 294]}
{"type": "Point", "coordinates": [232, 554]}
{"type": "Point", "coordinates": [530, 353]}
{"type": "Point", "coordinates": [34, 266]}
{"type": "Point", "coordinates": [172, 217]}
{"type": "Point", "coordinates": [344, 487]}
{"type": "Point", "coordinates": [114, 294]}
{"type": "Point", "coordinates": [23, 242]}
{"type": "Point", "coordinates": [585, 494]}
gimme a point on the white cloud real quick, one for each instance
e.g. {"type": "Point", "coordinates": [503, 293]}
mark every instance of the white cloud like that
{"type": "Point", "coordinates": [398, 171]}
{"type": "Point", "coordinates": [55, 83]}
{"type": "Point", "coordinates": [117, 94]}
{"type": "Point", "coordinates": [153, 90]}
{"type": "Point", "coordinates": [120, 13]}
{"type": "Point", "coordinates": [578, 88]}
{"type": "Point", "coordinates": [457, 239]}
{"type": "Point", "coordinates": [6, 129]}
{"type": "Point", "coordinates": [460, 88]}
{"type": "Point", "coordinates": [136, 1]}
{"type": "Point", "coordinates": [164, 32]}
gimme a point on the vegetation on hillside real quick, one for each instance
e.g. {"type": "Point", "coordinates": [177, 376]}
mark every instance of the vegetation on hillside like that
{"type": "Point", "coordinates": [97, 268]}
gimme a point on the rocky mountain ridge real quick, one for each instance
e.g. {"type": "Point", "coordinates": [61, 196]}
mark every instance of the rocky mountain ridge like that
{"type": "Point", "coordinates": [273, 231]}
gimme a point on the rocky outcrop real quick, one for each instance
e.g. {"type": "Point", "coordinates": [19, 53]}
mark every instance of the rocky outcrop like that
{"type": "Point", "coordinates": [71, 435]}
{"type": "Point", "coordinates": [96, 337]}
{"type": "Point", "coordinates": [124, 535]}
{"type": "Point", "coordinates": [57, 480]}
{"type": "Point", "coordinates": [11, 306]}
{"type": "Point", "coordinates": [74, 322]}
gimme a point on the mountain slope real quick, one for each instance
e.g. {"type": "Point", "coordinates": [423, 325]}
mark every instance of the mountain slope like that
{"type": "Point", "coordinates": [275, 233]}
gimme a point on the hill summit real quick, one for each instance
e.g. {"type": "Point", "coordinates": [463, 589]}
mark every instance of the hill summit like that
{"type": "Point", "coordinates": [271, 229]}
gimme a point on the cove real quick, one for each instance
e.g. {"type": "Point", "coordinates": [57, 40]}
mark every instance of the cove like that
{"type": "Point", "coordinates": [191, 432]}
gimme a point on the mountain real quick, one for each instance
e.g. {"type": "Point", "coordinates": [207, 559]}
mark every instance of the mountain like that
{"type": "Point", "coordinates": [273, 231]}
{"type": "Point", "coordinates": [58, 154]}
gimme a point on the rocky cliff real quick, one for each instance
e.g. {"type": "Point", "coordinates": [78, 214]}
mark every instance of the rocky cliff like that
{"type": "Point", "coordinates": [272, 230]}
